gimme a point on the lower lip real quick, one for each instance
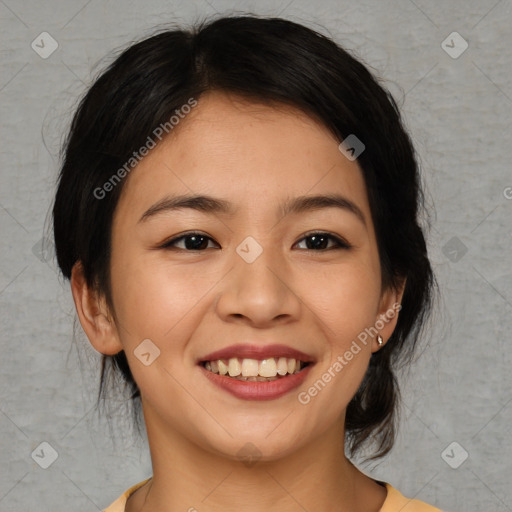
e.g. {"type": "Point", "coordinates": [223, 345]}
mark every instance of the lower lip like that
{"type": "Point", "coordinates": [250, 390]}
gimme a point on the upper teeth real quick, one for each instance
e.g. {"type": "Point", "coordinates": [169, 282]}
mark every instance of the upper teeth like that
{"type": "Point", "coordinates": [252, 367]}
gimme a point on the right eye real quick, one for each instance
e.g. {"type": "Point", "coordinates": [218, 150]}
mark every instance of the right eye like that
{"type": "Point", "coordinates": [193, 241]}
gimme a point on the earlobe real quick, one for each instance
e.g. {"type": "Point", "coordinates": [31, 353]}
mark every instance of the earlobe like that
{"type": "Point", "coordinates": [390, 305]}
{"type": "Point", "coordinates": [94, 315]}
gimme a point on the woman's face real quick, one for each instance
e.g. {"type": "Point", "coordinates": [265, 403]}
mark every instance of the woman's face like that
{"type": "Point", "coordinates": [254, 276]}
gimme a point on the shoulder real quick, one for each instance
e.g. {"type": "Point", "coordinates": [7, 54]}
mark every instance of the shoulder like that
{"type": "Point", "coordinates": [120, 503]}
{"type": "Point", "coordinates": [395, 502]}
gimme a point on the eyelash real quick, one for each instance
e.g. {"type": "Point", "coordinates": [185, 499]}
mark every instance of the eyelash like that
{"type": "Point", "coordinates": [340, 243]}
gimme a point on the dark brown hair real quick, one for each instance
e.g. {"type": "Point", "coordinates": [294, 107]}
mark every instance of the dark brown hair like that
{"type": "Point", "coordinates": [269, 60]}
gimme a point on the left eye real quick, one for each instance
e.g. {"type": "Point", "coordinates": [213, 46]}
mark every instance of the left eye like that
{"type": "Point", "coordinates": [319, 241]}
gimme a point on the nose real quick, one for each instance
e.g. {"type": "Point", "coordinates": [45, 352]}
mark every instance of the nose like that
{"type": "Point", "coordinates": [260, 293]}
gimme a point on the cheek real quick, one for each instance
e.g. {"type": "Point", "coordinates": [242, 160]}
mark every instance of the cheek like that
{"type": "Point", "coordinates": [345, 300]}
{"type": "Point", "coordinates": [160, 303]}
{"type": "Point", "coordinates": [164, 303]}
{"type": "Point", "coordinates": [152, 297]}
{"type": "Point", "coordinates": [345, 297]}
{"type": "Point", "coordinates": [345, 308]}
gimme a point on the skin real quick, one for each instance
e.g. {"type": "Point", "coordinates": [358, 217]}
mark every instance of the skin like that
{"type": "Point", "coordinates": [190, 303]}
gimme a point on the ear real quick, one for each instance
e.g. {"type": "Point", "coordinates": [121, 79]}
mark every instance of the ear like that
{"type": "Point", "coordinates": [387, 317]}
{"type": "Point", "coordinates": [93, 314]}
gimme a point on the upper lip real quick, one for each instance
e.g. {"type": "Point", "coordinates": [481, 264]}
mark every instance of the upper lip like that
{"type": "Point", "coordinates": [256, 352]}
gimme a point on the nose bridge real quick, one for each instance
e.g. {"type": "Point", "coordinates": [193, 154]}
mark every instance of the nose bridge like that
{"type": "Point", "coordinates": [269, 257]}
{"type": "Point", "coordinates": [258, 265]}
{"type": "Point", "coordinates": [257, 287]}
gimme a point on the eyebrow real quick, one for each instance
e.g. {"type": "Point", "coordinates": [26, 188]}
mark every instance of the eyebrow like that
{"type": "Point", "coordinates": [211, 205]}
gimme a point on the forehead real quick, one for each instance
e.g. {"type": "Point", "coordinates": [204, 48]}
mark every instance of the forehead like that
{"type": "Point", "coordinates": [252, 154]}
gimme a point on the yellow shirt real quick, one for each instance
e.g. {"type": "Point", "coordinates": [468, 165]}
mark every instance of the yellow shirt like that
{"type": "Point", "coordinates": [395, 502]}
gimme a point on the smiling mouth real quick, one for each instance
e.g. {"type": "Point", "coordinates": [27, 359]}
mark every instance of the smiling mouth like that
{"type": "Point", "coordinates": [254, 370]}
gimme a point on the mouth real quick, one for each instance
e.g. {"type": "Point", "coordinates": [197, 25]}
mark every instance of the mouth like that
{"type": "Point", "coordinates": [254, 370]}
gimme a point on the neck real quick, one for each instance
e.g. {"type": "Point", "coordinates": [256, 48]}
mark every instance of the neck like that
{"type": "Point", "coordinates": [190, 478]}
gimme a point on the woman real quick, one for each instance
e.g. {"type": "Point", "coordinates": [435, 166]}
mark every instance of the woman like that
{"type": "Point", "coordinates": [237, 213]}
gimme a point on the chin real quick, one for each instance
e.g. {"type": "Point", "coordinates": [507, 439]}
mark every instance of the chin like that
{"type": "Point", "coordinates": [258, 447]}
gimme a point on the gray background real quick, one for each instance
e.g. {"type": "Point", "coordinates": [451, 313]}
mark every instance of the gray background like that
{"type": "Point", "coordinates": [458, 111]}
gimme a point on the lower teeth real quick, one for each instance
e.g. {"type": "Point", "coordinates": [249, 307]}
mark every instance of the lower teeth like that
{"type": "Point", "coordinates": [259, 378]}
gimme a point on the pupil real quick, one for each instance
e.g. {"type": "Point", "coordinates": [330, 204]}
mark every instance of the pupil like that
{"type": "Point", "coordinates": [196, 245]}
{"type": "Point", "coordinates": [317, 241]}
